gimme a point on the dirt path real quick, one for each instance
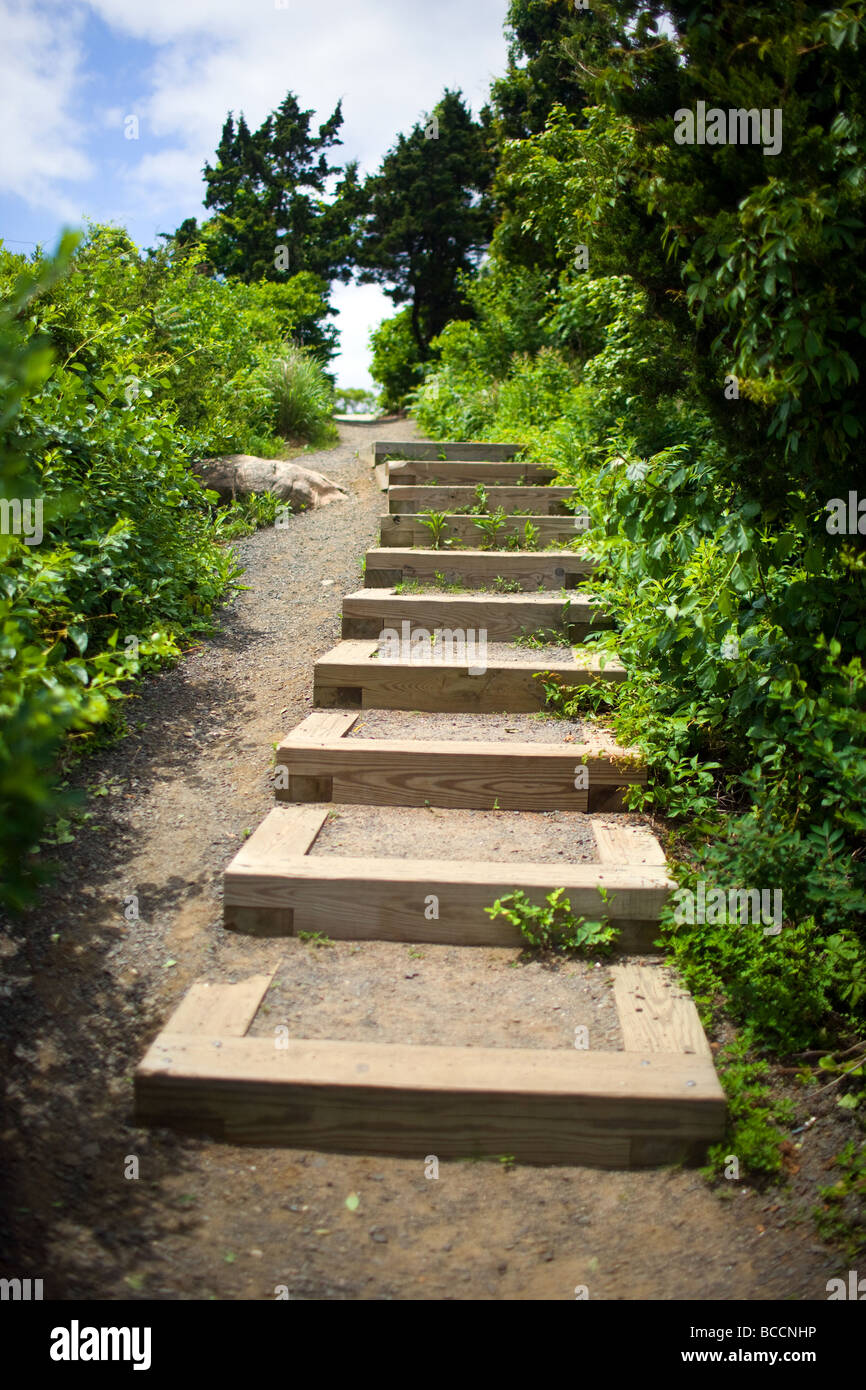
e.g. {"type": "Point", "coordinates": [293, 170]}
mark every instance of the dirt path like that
{"type": "Point", "coordinates": [84, 991]}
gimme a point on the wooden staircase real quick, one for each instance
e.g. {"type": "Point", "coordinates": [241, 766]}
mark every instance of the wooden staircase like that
{"type": "Point", "coordinates": [656, 1101]}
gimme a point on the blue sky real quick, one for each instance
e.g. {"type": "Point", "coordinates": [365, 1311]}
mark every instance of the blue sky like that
{"type": "Point", "coordinates": [72, 74]}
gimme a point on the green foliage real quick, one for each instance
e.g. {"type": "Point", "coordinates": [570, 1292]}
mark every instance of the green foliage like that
{"type": "Point", "coordinates": [117, 374]}
{"type": "Point", "coordinates": [551, 926]}
{"type": "Point", "coordinates": [840, 1216]}
{"type": "Point", "coordinates": [754, 1135]}
{"type": "Point", "coordinates": [541, 69]}
{"type": "Point", "coordinates": [437, 525]}
{"type": "Point", "coordinates": [355, 400]}
{"type": "Point", "coordinates": [545, 636]}
{"type": "Point", "coordinates": [740, 620]}
{"type": "Point", "coordinates": [266, 187]}
{"type": "Point", "coordinates": [428, 218]}
{"type": "Point", "coordinates": [395, 363]}
{"type": "Point", "coordinates": [301, 396]}
{"type": "Point", "coordinates": [490, 527]}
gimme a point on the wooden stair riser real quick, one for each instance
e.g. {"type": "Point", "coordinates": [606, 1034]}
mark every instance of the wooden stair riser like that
{"type": "Point", "coordinates": [366, 614]}
{"type": "Point", "coordinates": [610, 1110]}
{"type": "Point", "coordinates": [409, 530]}
{"type": "Point", "coordinates": [539, 501]}
{"type": "Point", "coordinates": [316, 762]}
{"type": "Point", "coordinates": [657, 1101]}
{"type": "Point", "coordinates": [532, 570]}
{"type": "Point", "coordinates": [465, 451]}
{"type": "Point", "coordinates": [430, 472]}
{"type": "Point", "coordinates": [385, 772]}
{"type": "Point", "coordinates": [392, 899]}
{"type": "Point", "coordinates": [350, 677]}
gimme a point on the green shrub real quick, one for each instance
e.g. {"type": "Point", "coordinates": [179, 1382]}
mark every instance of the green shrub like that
{"type": "Point", "coordinates": [300, 396]}
{"type": "Point", "coordinates": [551, 925]}
{"type": "Point", "coordinates": [117, 373]}
{"type": "Point", "coordinates": [739, 620]}
{"type": "Point", "coordinates": [396, 363]}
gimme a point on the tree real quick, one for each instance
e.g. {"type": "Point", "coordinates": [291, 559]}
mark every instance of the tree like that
{"type": "Point", "coordinates": [429, 217]}
{"type": "Point", "coordinates": [758, 235]}
{"type": "Point", "coordinates": [268, 190]}
{"type": "Point", "coordinates": [542, 72]}
{"type": "Point", "coordinates": [395, 365]}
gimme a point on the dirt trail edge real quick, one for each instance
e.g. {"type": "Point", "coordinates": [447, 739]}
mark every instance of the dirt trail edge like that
{"type": "Point", "coordinates": [101, 1210]}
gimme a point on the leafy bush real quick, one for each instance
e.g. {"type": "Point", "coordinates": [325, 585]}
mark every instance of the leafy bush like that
{"type": "Point", "coordinates": [117, 373]}
{"type": "Point", "coordinates": [551, 925]}
{"type": "Point", "coordinates": [699, 386]}
{"type": "Point", "coordinates": [396, 364]}
{"type": "Point", "coordinates": [301, 398]}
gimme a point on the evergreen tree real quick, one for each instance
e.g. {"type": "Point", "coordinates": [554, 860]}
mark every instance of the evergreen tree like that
{"type": "Point", "coordinates": [268, 189]}
{"type": "Point", "coordinates": [429, 217]}
{"type": "Point", "coordinates": [542, 71]}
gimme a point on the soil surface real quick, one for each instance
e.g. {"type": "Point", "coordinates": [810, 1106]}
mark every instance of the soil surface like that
{"type": "Point", "coordinates": [445, 995]}
{"type": "Point", "coordinates": [482, 728]}
{"type": "Point", "coordinates": [430, 832]}
{"type": "Point", "coordinates": [133, 918]}
{"type": "Point", "coordinates": [490, 653]}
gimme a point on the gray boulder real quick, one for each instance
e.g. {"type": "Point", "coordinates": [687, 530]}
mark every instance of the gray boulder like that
{"type": "Point", "coordinates": [238, 475]}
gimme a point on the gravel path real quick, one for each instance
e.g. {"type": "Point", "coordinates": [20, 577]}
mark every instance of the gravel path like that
{"type": "Point", "coordinates": [85, 988]}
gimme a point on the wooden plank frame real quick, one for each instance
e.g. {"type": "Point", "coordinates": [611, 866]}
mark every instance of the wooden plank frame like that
{"type": "Point", "coordinates": [467, 451]}
{"type": "Point", "coordinates": [351, 676]}
{"type": "Point", "coordinates": [273, 887]}
{"type": "Point", "coordinates": [658, 1101]}
{"type": "Point", "coordinates": [409, 529]}
{"type": "Point", "coordinates": [502, 616]}
{"type": "Point", "coordinates": [429, 472]}
{"type": "Point", "coordinates": [317, 763]}
{"type": "Point", "coordinates": [530, 569]}
{"type": "Point", "coordinates": [544, 500]}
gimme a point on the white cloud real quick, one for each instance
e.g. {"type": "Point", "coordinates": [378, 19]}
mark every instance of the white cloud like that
{"type": "Point", "coordinates": [388, 60]}
{"type": "Point", "coordinates": [41, 148]}
{"type": "Point", "coordinates": [361, 308]}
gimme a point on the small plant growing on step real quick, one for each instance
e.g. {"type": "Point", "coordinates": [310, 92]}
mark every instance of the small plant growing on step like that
{"type": "Point", "coordinates": [437, 525]}
{"type": "Point", "coordinates": [531, 536]}
{"type": "Point", "coordinates": [490, 527]}
{"type": "Point", "coordinates": [539, 639]}
{"type": "Point", "coordinates": [551, 926]}
{"type": "Point", "coordinates": [506, 586]}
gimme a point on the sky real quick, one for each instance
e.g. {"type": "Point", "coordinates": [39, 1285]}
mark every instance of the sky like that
{"type": "Point", "coordinates": [72, 73]}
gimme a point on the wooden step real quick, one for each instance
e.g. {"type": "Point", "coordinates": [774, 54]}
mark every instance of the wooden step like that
{"type": "Point", "coordinates": [410, 529]}
{"type": "Point", "coordinates": [317, 763]}
{"type": "Point", "coordinates": [465, 452]}
{"type": "Point", "coordinates": [502, 617]}
{"type": "Point", "coordinates": [431, 471]}
{"type": "Point", "coordinates": [539, 501]}
{"type": "Point", "coordinates": [607, 1109]}
{"type": "Point", "coordinates": [532, 570]}
{"type": "Point", "coordinates": [274, 887]}
{"type": "Point", "coordinates": [351, 676]}
{"type": "Point", "coordinates": [657, 1101]}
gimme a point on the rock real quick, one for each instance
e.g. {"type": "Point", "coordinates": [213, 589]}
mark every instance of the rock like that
{"type": "Point", "coordinates": [238, 475]}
